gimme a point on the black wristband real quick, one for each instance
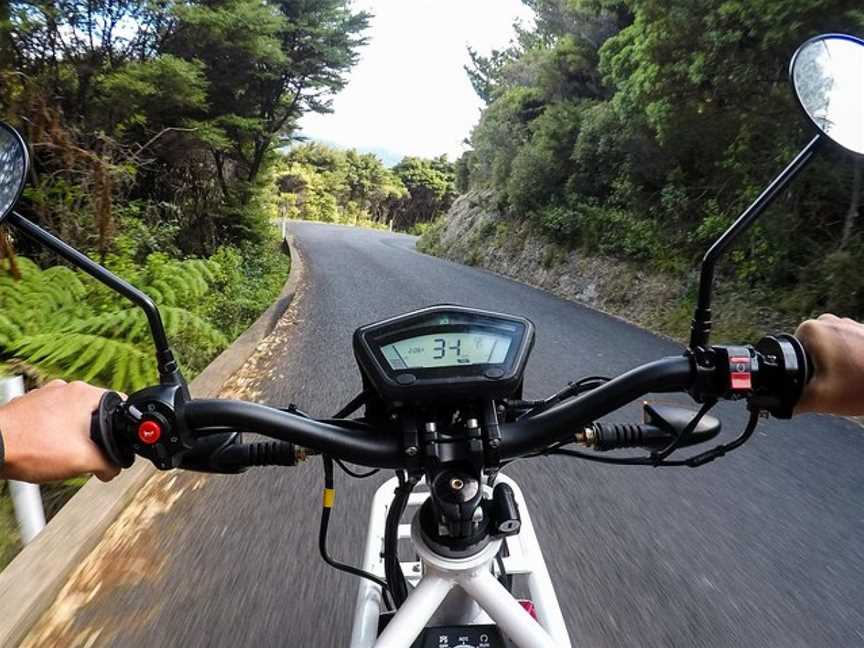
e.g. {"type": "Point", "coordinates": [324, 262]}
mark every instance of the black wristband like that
{"type": "Point", "coordinates": [2, 451]}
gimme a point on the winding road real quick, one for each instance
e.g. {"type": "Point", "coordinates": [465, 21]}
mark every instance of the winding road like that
{"type": "Point", "coordinates": [762, 548]}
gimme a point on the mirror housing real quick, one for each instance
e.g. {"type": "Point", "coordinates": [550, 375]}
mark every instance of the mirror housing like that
{"type": "Point", "coordinates": [14, 166]}
{"type": "Point", "coordinates": [827, 75]}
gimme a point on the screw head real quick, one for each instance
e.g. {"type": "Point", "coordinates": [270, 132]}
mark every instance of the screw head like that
{"type": "Point", "coordinates": [457, 484]}
{"type": "Point", "coordinates": [411, 451]}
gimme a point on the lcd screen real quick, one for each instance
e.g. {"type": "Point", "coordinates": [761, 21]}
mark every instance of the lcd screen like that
{"type": "Point", "coordinates": [447, 350]}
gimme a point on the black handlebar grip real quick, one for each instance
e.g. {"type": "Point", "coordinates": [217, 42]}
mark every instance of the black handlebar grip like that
{"type": "Point", "coordinates": [103, 434]}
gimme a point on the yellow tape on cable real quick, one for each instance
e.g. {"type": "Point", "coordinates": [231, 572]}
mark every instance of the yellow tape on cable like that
{"type": "Point", "coordinates": [329, 496]}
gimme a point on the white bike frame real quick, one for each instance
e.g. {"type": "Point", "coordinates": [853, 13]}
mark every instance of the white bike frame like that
{"type": "Point", "coordinates": [449, 591]}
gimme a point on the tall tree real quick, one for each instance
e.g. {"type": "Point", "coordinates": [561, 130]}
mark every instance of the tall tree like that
{"type": "Point", "coordinates": [266, 64]}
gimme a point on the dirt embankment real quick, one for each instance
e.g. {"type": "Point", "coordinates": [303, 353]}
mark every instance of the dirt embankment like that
{"type": "Point", "coordinates": [476, 234]}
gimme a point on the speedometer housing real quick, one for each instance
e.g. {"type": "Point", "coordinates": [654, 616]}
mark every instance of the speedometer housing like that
{"type": "Point", "coordinates": [445, 352]}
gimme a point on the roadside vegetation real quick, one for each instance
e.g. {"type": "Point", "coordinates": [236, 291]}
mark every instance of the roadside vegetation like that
{"type": "Point", "coordinates": [153, 130]}
{"type": "Point", "coordinates": [639, 129]}
{"type": "Point", "coordinates": [321, 183]}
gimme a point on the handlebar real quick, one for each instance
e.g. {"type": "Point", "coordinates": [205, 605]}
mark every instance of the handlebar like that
{"type": "Point", "coordinates": [162, 425]}
{"type": "Point", "coordinates": [522, 437]}
{"type": "Point", "coordinates": [360, 446]}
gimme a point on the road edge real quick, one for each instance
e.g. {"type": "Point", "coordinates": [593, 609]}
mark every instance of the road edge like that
{"type": "Point", "coordinates": [31, 582]}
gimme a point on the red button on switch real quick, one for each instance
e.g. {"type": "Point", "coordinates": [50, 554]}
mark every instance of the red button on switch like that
{"type": "Point", "coordinates": [740, 369]}
{"type": "Point", "coordinates": [149, 432]}
{"type": "Point", "coordinates": [742, 381]}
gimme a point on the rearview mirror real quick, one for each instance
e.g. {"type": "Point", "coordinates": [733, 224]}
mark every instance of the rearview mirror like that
{"type": "Point", "coordinates": [828, 76]}
{"type": "Point", "coordinates": [827, 73]}
{"type": "Point", "coordinates": [14, 164]}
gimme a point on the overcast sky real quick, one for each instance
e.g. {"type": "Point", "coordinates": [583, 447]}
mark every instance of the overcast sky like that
{"type": "Point", "coordinates": [409, 94]}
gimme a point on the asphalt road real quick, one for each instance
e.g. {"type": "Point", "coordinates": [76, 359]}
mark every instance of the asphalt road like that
{"type": "Point", "coordinates": [762, 548]}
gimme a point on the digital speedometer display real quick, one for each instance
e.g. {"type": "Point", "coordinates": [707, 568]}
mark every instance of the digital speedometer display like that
{"type": "Point", "coordinates": [444, 352]}
{"type": "Point", "coordinates": [447, 350]}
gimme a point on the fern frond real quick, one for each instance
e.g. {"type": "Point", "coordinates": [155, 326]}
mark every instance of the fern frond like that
{"type": "Point", "coordinates": [121, 365]}
{"type": "Point", "coordinates": [178, 283]}
{"type": "Point", "coordinates": [9, 331]}
{"type": "Point", "coordinates": [131, 324]}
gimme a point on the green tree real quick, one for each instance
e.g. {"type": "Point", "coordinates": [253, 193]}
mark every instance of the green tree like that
{"type": "Point", "coordinates": [430, 186]}
{"type": "Point", "coordinates": [641, 128]}
{"type": "Point", "coordinates": [266, 64]}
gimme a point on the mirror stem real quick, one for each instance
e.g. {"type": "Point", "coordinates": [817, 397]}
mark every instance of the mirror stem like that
{"type": "Point", "coordinates": [167, 366]}
{"type": "Point", "coordinates": [700, 331]}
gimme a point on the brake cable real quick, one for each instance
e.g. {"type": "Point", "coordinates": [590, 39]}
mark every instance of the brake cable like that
{"type": "Point", "coordinates": [392, 566]}
{"type": "Point", "coordinates": [356, 475]}
{"type": "Point", "coordinates": [356, 403]}
{"type": "Point", "coordinates": [572, 389]}
{"type": "Point", "coordinates": [338, 419]}
{"type": "Point", "coordinates": [327, 506]}
{"type": "Point", "coordinates": [329, 497]}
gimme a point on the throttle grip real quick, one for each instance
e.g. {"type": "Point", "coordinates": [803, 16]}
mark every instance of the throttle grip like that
{"type": "Point", "coordinates": [102, 431]}
{"type": "Point", "coordinates": [785, 370]}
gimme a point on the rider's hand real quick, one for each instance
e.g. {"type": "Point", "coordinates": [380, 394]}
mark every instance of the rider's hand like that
{"type": "Point", "coordinates": [46, 434]}
{"type": "Point", "coordinates": [836, 347]}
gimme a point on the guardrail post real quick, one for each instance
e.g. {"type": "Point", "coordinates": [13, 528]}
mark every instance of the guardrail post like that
{"type": "Point", "coordinates": [26, 498]}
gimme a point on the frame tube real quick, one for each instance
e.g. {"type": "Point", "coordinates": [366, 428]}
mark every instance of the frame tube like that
{"type": "Point", "coordinates": [418, 608]}
{"type": "Point", "coordinates": [26, 498]}
{"type": "Point", "coordinates": [539, 581]}
{"type": "Point", "coordinates": [505, 610]}
{"type": "Point", "coordinates": [369, 601]}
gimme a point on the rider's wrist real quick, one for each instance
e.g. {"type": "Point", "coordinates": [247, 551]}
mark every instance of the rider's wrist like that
{"type": "Point", "coordinates": [7, 446]}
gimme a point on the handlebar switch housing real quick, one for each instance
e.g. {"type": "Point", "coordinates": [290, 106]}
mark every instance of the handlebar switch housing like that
{"type": "Point", "coordinates": [771, 375]}
{"type": "Point", "coordinates": [738, 367]}
{"type": "Point", "coordinates": [724, 372]}
{"type": "Point", "coordinates": [148, 423]}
